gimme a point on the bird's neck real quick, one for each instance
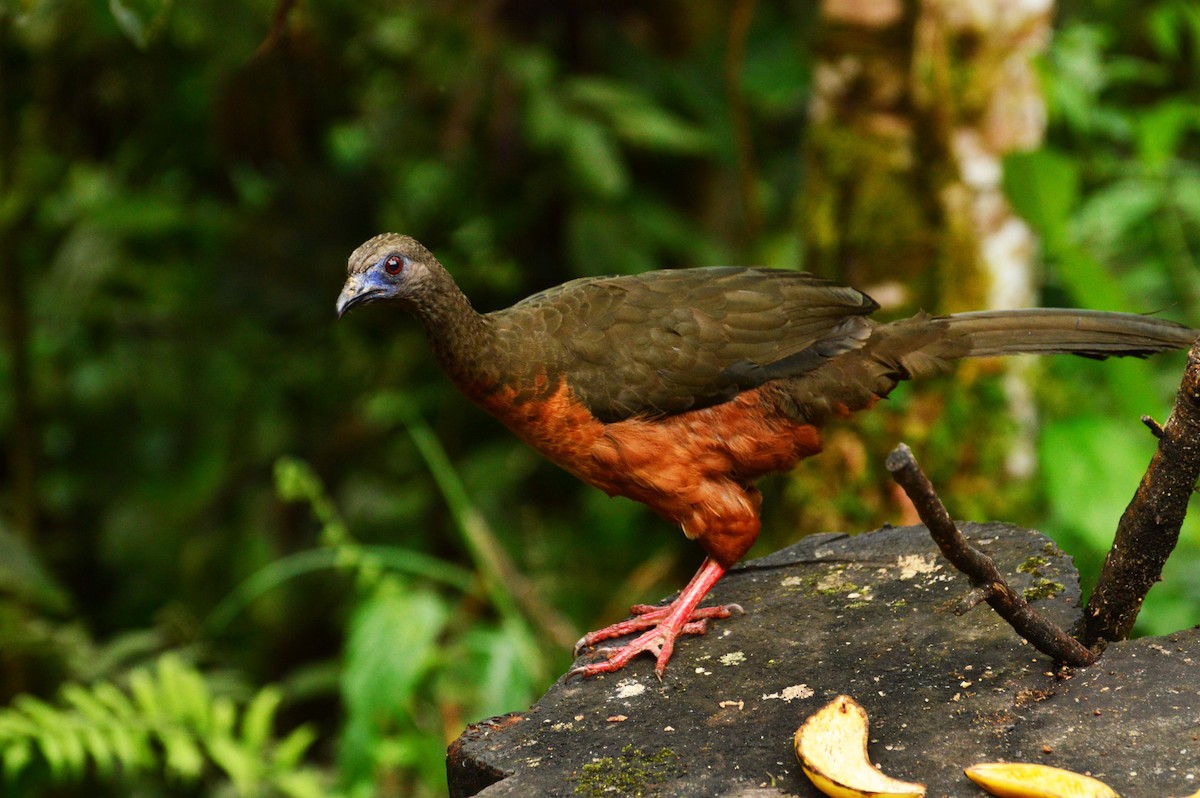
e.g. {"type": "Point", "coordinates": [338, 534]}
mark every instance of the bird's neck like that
{"type": "Point", "coordinates": [463, 341]}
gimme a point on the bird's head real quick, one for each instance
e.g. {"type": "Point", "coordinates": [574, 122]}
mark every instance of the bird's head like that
{"type": "Point", "coordinates": [388, 268]}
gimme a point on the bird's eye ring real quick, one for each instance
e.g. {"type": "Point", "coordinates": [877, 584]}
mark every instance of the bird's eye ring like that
{"type": "Point", "coordinates": [393, 264]}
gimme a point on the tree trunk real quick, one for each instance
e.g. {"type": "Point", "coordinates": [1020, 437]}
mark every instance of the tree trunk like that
{"type": "Point", "coordinates": [915, 103]}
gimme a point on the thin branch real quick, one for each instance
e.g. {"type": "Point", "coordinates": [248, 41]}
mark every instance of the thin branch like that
{"type": "Point", "coordinates": [1040, 631]}
{"type": "Point", "coordinates": [971, 600]}
{"type": "Point", "coordinates": [1149, 529]}
{"type": "Point", "coordinates": [1155, 428]}
{"type": "Point", "coordinates": [279, 27]}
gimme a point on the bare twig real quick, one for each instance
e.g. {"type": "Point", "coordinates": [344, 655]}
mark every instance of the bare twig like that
{"type": "Point", "coordinates": [279, 27]}
{"type": "Point", "coordinates": [1149, 529]}
{"type": "Point", "coordinates": [970, 601]}
{"type": "Point", "coordinates": [1042, 633]}
{"type": "Point", "coordinates": [1155, 428]}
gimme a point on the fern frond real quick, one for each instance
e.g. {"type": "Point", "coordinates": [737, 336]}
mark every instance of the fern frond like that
{"type": "Point", "coordinates": [167, 721]}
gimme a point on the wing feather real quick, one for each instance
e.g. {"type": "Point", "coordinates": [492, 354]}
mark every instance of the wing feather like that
{"type": "Point", "coordinates": [670, 341]}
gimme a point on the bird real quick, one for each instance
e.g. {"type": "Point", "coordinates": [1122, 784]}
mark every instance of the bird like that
{"type": "Point", "coordinates": [680, 388]}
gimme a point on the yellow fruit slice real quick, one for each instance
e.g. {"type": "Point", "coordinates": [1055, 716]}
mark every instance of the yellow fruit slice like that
{"type": "Point", "coordinates": [1026, 780]}
{"type": "Point", "coordinates": [832, 748]}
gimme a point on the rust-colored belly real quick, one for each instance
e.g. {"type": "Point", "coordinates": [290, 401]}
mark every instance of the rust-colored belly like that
{"type": "Point", "coordinates": [695, 468]}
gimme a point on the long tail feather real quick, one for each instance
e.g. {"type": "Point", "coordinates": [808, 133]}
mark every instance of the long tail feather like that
{"type": "Point", "coordinates": [1049, 331]}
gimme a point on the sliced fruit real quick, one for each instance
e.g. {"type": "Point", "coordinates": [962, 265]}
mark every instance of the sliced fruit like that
{"type": "Point", "coordinates": [1028, 780]}
{"type": "Point", "coordinates": [832, 748]}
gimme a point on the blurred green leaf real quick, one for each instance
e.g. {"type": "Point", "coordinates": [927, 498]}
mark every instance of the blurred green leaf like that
{"type": "Point", "coordinates": [1161, 129]}
{"type": "Point", "coordinates": [1043, 186]}
{"type": "Point", "coordinates": [635, 118]}
{"type": "Point", "coordinates": [592, 155]}
{"type": "Point", "coordinates": [392, 646]}
{"type": "Point", "coordinates": [24, 578]}
{"type": "Point", "coordinates": [1112, 212]}
{"type": "Point", "coordinates": [499, 671]}
{"type": "Point", "coordinates": [259, 717]}
{"type": "Point", "coordinates": [1186, 194]}
{"type": "Point", "coordinates": [1091, 466]}
{"type": "Point", "coordinates": [140, 20]}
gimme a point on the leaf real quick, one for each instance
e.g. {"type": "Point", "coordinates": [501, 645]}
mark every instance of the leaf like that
{"type": "Point", "coordinates": [242, 767]}
{"type": "Point", "coordinates": [499, 669]}
{"type": "Point", "coordinates": [1043, 186]}
{"type": "Point", "coordinates": [130, 23]}
{"type": "Point", "coordinates": [635, 118]}
{"type": "Point", "coordinates": [101, 749]}
{"type": "Point", "coordinates": [184, 693]}
{"type": "Point", "coordinates": [1164, 24]}
{"type": "Point", "coordinates": [392, 644]}
{"type": "Point", "coordinates": [546, 121]}
{"type": "Point", "coordinates": [48, 729]}
{"type": "Point", "coordinates": [1185, 194]}
{"type": "Point", "coordinates": [183, 756]}
{"type": "Point", "coordinates": [224, 716]}
{"type": "Point", "coordinates": [593, 157]}
{"type": "Point", "coordinates": [15, 758]}
{"type": "Point", "coordinates": [1110, 213]}
{"type": "Point", "coordinates": [82, 699]}
{"type": "Point", "coordinates": [1089, 281]}
{"type": "Point", "coordinates": [146, 694]}
{"type": "Point", "coordinates": [116, 702]}
{"type": "Point", "coordinates": [302, 784]}
{"type": "Point", "coordinates": [290, 750]}
{"type": "Point", "coordinates": [259, 716]}
{"type": "Point", "coordinates": [1161, 128]}
{"type": "Point", "coordinates": [292, 566]}
{"type": "Point", "coordinates": [120, 653]}
{"type": "Point", "coordinates": [295, 480]}
{"type": "Point", "coordinates": [1091, 467]}
{"type": "Point", "coordinates": [140, 20]}
{"type": "Point", "coordinates": [22, 575]}
{"type": "Point", "coordinates": [130, 747]}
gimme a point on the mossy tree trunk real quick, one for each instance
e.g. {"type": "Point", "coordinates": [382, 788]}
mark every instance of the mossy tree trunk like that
{"type": "Point", "coordinates": [915, 104]}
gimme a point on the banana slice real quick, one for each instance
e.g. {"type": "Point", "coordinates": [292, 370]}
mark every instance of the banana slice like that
{"type": "Point", "coordinates": [1026, 780]}
{"type": "Point", "coordinates": [832, 748]}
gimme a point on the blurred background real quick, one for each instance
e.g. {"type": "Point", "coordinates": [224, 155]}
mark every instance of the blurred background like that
{"type": "Point", "coordinates": [248, 550]}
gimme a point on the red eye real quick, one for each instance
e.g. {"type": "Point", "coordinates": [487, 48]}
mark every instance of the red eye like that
{"type": "Point", "coordinates": [393, 264]}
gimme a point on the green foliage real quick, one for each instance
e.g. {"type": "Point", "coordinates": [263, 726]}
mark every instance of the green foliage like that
{"type": "Point", "coordinates": [405, 660]}
{"type": "Point", "coordinates": [393, 640]}
{"type": "Point", "coordinates": [1113, 197]}
{"type": "Point", "coordinates": [218, 471]}
{"type": "Point", "coordinates": [166, 722]}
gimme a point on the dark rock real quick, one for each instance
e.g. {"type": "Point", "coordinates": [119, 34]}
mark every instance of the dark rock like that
{"type": "Point", "coordinates": [864, 616]}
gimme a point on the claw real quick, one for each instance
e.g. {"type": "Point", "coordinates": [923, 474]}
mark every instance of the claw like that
{"type": "Point", "coordinates": [660, 627]}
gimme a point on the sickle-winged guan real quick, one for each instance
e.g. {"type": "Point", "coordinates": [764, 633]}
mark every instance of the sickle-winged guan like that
{"type": "Point", "coordinates": [681, 388]}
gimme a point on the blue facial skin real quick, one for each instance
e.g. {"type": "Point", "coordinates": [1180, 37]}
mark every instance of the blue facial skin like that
{"type": "Point", "coordinates": [378, 282]}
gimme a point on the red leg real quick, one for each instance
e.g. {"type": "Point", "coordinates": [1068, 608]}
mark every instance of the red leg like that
{"type": "Point", "coordinates": [665, 624]}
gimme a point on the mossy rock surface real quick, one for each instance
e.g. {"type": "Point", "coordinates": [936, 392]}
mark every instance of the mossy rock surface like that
{"type": "Point", "coordinates": [863, 615]}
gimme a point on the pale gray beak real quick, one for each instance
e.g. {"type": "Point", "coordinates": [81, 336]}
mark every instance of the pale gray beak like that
{"type": "Point", "coordinates": [358, 290]}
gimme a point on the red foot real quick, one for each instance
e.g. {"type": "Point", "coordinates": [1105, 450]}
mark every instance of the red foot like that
{"type": "Point", "coordinates": [665, 624]}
